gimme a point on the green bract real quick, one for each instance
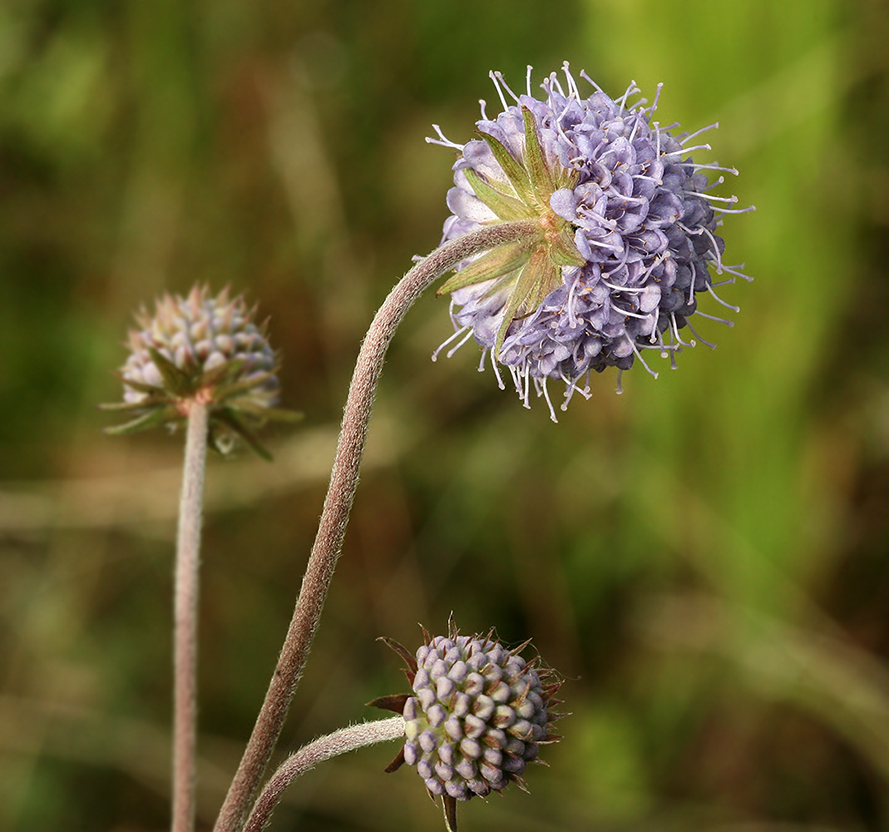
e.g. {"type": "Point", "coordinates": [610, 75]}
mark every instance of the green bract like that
{"type": "Point", "coordinates": [530, 269]}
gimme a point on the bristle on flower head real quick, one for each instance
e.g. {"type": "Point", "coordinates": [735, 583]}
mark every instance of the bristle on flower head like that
{"type": "Point", "coordinates": [477, 716]}
{"type": "Point", "coordinates": [203, 349]}
{"type": "Point", "coordinates": [627, 235]}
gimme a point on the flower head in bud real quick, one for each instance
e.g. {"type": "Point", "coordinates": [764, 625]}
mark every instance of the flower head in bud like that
{"type": "Point", "coordinates": [477, 716]}
{"type": "Point", "coordinates": [200, 349]}
{"type": "Point", "coordinates": [626, 238]}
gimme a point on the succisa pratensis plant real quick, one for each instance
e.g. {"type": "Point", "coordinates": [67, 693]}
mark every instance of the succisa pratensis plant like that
{"type": "Point", "coordinates": [581, 234]}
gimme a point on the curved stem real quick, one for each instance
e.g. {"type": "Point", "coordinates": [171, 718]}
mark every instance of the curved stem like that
{"type": "Point", "coordinates": [185, 643]}
{"type": "Point", "coordinates": [337, 504]}
{"type": "Point", "coordinates": [298, 763]}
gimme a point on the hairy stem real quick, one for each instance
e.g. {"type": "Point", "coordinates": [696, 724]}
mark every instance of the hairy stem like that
{"type": "Point", "coordinates": [338, 503]}
{"type": "Point", "coordinates": [185, 646]}
{"type": "Point", "coordinates": [297, 764]}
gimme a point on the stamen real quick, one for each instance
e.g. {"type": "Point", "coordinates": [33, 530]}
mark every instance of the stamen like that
{"type": "Point", "coordinates": [638, 106]}
{"type": "Point", "coordinates": [717, 257]}
{"type": "Point", "coordinates": [454, 322]}
{"type": "Point", "coordinates": [712, 166]}
{"type": "Point", "coordinates": [558, 122]}
{"type": "Point", "coordinates": [602, 245]}
{"type": "Point", "coordinates": [675, 332]}
{"type": "Point", "coordinates": [624, 288]}
{"type": "Point", "coordinates": [746, 210]}
{"type": "Point", "coordinates": [551, 84]}
{"type": "Point", "coordinates": [720, 300]}
{"type": "Point", "coordinates": [733, 270]}
{"type": "Point", "coordinates": [590, 81]}
{"type": "Point", "coordinates": [674, 348]}
{"type": "Point", "coordinates": [711, 185]}
{"type": "Point", "coordinates": [570, 303]}
{"type": "Point", "coordinates": [631, 90]}
{"type": "Point", "coordinates": [443, 140]}
{"type": "Point", "coordinates": [497, 78]}
{"type": "Point", "coordinates": [500, 79]}
{"type": "Point", "coordinates": [657, 95]}
{"type": "Point", "coordinates": [569, 80]}
{"type": "Point", "coordinates": [620, 389]}
{"type": "Point", "coordinates": [729, 199]}
{"type": "Point", "coordinates": [465, 331]}
{"type": "Point", "coordinates": [636, 124]}
{"type": "Point", "coordinates": [689, 149]}
{"type": "Point", "coordinates": [627, 312]}
{"type": "Point", "coordinates": [520, 381]}
{"type": "Point", "coordinates": [641, 279]}
{"type": "Point", "coordinates": [496, 369]}
{"type": "Point", "coordinates": [571, 388]}
{"type": "Point", "coordinates": [702, 340]}
{"type": "Point", "coordinates": [549, 404]}
{"type": "Point", "coordinates": [664, 349]}
{"type": "Point", "coordinates": [513, 371]}
{"type": "Point", "coordinates": [714, 318]}
{"type": "Point", "coordinates": [589, 213]}
{"type": "Point", "coordinates": [644, 364]}
{"type": "Point", "coordinates": [684, 139]}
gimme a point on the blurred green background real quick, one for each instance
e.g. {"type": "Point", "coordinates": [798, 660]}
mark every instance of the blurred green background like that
{"type": "Point", "coordinates": [704, 558]}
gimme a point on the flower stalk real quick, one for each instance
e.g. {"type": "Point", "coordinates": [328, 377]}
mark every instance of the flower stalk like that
{"type": "Point", "coordinates": [332, 745]}
{"type": "Point", "coordinates": [185, 647]}
{"type": "Point", "coordinates": [338, 503]}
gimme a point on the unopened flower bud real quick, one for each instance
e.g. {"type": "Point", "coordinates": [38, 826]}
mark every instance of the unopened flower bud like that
{"type": "Point", "coordinates": [471, 733]}
{"type": "Point", "coordinates": [201, 349]}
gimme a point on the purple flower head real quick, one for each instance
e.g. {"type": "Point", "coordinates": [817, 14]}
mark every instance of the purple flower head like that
{"type": "Point", "coordinates": [627, 236]}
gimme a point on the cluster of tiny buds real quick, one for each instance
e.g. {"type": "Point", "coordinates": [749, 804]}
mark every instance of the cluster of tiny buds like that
{"type": "Point", "coordinates": [204, 349]}
{"type": "Point", "coordinates": [198, 334]}
{"type": "Point", "coordinates": [478, 715]}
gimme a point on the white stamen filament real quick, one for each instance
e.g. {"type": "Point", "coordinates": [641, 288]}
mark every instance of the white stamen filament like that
{"type": "Point", "coordinates": [714, 318]}
{"type": "Point", "coordinates": [720, 300]}
{"type": "Point", "coordinates": [465, 331]}
{"type": "Point", "coordinates": [675, 332]}
{"type": "Point", "coordinates": [688, 149]}
{"type": "Point", "coordinates": [702, 340]}
{"type": "Point", "coordinates": [442, 140]}
{"type": "Point", "coordinates": [638, 355]}
{"type": "Point", "coordinates": [686, 138]}
{"type": "Point", "coordinates": [497, 78]}
{"type": "Point", "coordinates": [735, 271]}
